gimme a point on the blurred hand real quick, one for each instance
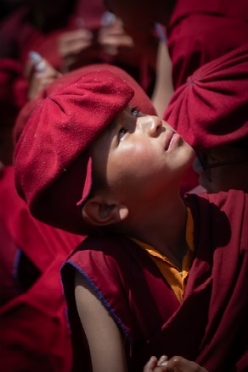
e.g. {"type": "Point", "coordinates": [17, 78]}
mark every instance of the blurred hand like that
{"type": "Point", "coordinates": [175, 364]}
{"type": "Point", "coordinates": [155, 365]}
{"type": "Point", "coordinates": [39, 74]}
{"type": "Point", "coordinates": [112, 37]}
{"type": "Point", "coordinates": [72, 44]}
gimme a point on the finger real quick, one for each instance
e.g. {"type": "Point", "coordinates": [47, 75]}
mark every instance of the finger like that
{"type": "Point", "coordinates": [116, 40]}
{"type": "Point", "coordinates": [180, 364]}
{"type": "Point", "coordinates": [163, 361]}
{"type": "Point", "coordinates": [74, 47]}
{"type": "Point", "coordinates": [151, 364]}
{"type": "Point", "coordinates": [38, 62]}
{"type": "Point", "coordinates": [81, 33]}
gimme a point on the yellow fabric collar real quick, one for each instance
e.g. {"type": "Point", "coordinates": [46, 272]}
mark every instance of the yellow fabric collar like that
{"type": "Point", "coordinates": [172, 274]}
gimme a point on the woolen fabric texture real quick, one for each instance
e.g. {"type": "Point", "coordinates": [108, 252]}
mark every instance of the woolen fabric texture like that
{"type": "Point", "coordinates": [52, 163]}
{"type": "Point", "coordinates": [210, 109]}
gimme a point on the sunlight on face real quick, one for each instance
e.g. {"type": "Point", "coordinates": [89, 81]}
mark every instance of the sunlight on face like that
{"type": "Point", "coordinates": [140, 156]}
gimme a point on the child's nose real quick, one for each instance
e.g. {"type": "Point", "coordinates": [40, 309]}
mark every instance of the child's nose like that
{"type": "Point", "coordinates": [152, 126]}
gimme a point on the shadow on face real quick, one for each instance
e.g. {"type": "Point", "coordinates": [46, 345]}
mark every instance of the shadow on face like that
{"type": "Point", "coordinates": [225, 167]}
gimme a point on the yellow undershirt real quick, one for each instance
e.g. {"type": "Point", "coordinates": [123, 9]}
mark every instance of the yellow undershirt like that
{"type": "Point", "coordinates": [172, 274]}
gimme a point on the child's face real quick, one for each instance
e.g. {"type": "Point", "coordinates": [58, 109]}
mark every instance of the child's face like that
{"type": "Point", "coordinates": [140, 156]}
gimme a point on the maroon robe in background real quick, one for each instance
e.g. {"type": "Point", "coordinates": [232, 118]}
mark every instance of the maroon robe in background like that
{"type": "Point", "coordinates": [23, 36]}
{"type": "Point", "coordinates": [34, 334]}
{"type": "Point", "coordinates": [19, 36]}
{"type": "Point", "coordinates": [200, 31]}
{"type": "Point", "coordinates": [210, 326]}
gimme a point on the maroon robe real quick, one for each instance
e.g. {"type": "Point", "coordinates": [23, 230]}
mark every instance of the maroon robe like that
{"type": "Point", "coordinates": [34, 334]}
{"type": "Point", "coordinates": [23, 36]}
{"type": "Point", "coordinates": [210, 326]}
{"type": "Point", "coordinates": [19, 36]}
{"type": "Point", "coordinates": [200, 31]}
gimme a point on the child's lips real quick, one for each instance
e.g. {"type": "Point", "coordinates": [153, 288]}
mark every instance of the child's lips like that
{"type": "Point", "coordinates": [170, 139]}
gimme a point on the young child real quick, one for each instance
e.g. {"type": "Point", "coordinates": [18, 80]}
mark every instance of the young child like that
{"type": "Point", "coordinates": [207, 121]}
{"type": "Point", "coordinates": [158, 273]}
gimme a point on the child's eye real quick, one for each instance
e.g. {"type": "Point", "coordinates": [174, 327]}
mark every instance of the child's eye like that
{"type": "Point", "coordinates": [134, 111]}
{"type": "Point", "coordinates": [121, 133]}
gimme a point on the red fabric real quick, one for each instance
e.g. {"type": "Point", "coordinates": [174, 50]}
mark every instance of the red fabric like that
{"type": "Point", "coordinates": [21, 37]}
{"type": "Point", "coordinates": [140, 100]}
{"type": "Point", "coordinates": [201, 31]}
{"type": "Point", "coordinates": [60, 130]}
{"type": "Point", "coordinates": [129, 285]}
{"type": "Point", "coordinates": [34, 332]}
{"type": "Point", "coordinates": [210, 109]}
{"type": "Point", "coordinates": [210, 325]}
{"type": "Point", "coordinates": [19, 31]}
{"type": "Point", "coordinates": [23, 117]}
{"type": "Point", "coordinates": [13, 88]}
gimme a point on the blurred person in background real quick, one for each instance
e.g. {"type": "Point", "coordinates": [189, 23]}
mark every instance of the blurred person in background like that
{"type": "Point", "coordinates": [34, 334]}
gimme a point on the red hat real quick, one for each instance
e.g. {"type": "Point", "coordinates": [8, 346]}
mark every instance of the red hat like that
{"type": "Point", "coordinates": [139, 100]}
{"type": "Point", "coordinates": [52, 165]}
{"type": "Point", "coordinates": [210, 109]}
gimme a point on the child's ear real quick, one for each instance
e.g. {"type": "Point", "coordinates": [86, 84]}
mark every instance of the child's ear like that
{"type": "Point", "coordinates": [99, 211]}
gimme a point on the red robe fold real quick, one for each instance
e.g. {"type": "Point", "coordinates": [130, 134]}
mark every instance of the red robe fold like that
{"type": "Point", "coordinates": [34, 333]}
{"type": "Point", "coordinates": [201, 31]}
{"type": "Point", "coordinates": [210, 326]}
